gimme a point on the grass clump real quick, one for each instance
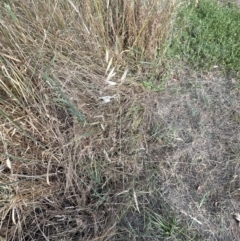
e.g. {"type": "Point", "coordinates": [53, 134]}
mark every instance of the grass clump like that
{"type": "Point", "coordinates": [207, 35]}
{"type": "Point", "coordinates": [73, 115]}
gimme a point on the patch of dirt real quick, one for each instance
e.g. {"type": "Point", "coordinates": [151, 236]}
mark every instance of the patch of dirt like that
{"type": "Point", "coordinates": [199, 152]}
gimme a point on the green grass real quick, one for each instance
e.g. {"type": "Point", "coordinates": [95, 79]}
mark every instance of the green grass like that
{"type": "Point", "coordinates": [208, 35]}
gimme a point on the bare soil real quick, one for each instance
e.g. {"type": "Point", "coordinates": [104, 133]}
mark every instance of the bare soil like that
{"type": "Point", "coordinates": [202, 179]}
{"type": "Point", "coordinates": [196, 155]}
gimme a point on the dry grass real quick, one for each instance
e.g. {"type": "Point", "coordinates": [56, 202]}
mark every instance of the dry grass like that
{"type": "Point", "coordinates": [189, 188]}
{"type": "Point", "coordinates": [199, 114]}
{"type": "Point", "coordinates": [67, 157]}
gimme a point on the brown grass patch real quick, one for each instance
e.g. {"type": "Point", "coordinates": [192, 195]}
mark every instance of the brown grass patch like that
{"type": "Point", "coordinates": [200, 154]}
{"type": "Point", "coordinates": [65, 155]}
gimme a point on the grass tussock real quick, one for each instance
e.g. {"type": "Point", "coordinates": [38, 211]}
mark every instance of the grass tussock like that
{"type": "Point", "coordinates": [73, 118]}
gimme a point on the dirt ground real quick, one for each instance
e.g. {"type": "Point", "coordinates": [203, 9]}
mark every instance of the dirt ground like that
{"type": "Point", "coordinates": [202, 181]}
{"type": "Point", "coordinates": [197, 153]}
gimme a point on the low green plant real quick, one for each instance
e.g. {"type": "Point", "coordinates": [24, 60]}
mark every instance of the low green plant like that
{"type": "Point", "coordinates": [207, 35]}
{"type": "Point", "coordinates": [165, 225]}
{"type": "Point", "coordinates": [152, 85]}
